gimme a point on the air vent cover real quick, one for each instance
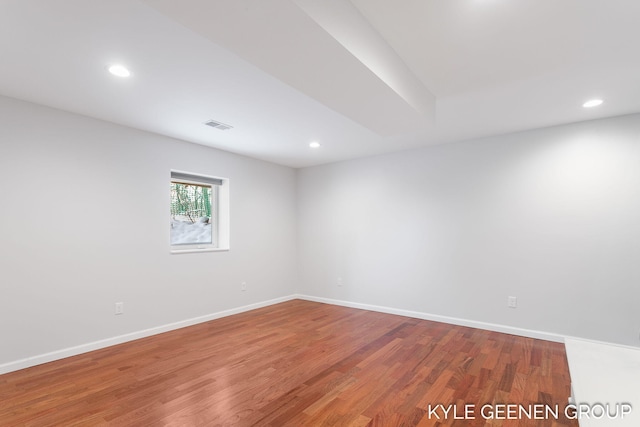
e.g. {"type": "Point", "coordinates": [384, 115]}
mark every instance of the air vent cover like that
{"type": "Point", "coordinates": [217, 125]}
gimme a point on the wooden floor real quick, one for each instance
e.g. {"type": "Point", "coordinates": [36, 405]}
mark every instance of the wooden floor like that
{"type": "Point", "coordinates": [297, 363]}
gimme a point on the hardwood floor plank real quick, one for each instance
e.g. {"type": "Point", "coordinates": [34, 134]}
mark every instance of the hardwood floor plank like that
{"type": "Point", "coordinates": [297, 363]}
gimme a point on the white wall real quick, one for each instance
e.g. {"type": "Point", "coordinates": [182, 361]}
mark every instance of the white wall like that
{"type": "Point", "coordinates": [551, 216]}
{"type": "Point", "coordinates": [84, 223]}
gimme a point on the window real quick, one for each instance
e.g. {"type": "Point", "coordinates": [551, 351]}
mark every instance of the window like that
{"type": "Point", "coordinates": [199, 213]}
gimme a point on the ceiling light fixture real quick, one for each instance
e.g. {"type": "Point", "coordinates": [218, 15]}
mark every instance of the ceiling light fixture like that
{"type": "Point", "coordinates": [119, 70]}
{"type": "Point", "coordinates": [592, 103]}
{"type": "Point", "coordinates": [314, 144]}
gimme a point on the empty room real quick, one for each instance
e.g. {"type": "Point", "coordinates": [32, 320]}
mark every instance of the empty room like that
{"type": "Point", "coordinates": [320, 213]}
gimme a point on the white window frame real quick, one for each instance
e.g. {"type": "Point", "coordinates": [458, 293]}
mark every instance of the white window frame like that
{"type": "Point", "coordinates": [220, 207]}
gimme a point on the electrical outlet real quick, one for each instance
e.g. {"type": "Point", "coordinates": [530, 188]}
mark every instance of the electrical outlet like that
{"type": "Point", "coordinates": [243, 286]}
{"type": "Point", "coordinates": [339, 281]}
{"type": "Point", "coordinates": [119, 308]}
{"type": "Point", "coordinates": [512, 302]}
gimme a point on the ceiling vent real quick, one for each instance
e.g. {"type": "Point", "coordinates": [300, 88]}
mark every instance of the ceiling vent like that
{"type": "Point", "coordinates": [217, 125]}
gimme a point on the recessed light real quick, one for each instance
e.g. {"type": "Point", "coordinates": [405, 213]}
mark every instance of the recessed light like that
{"type": "Point", "coordinates": [119, 70]}
{"type": "Point", "coordinates": [592, 103]}
{"type": "Point", "coordinates": [314, 144]}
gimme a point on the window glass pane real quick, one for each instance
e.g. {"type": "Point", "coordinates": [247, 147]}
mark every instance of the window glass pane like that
{"type": "Point", "coordinates": [191, 214]}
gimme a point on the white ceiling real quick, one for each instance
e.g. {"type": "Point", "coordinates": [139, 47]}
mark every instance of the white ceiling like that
{"type": "Point", "coordinates": [362, 77]}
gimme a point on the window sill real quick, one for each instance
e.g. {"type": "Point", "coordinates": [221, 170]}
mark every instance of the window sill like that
{"type": "Point", "coordinates": [196, 250]}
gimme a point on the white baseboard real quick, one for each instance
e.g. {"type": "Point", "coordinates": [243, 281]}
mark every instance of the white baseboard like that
{"type": "Point", "coordinates": [548, 336]}
{"type": "Point", "coordinates": [96, 345]}
{"type": "Point", "coordinates": [603, 343]}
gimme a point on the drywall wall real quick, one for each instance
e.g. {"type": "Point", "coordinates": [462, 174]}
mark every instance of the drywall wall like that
{"type": "Point", "coordinates": [84, 222]}
{"type": "Point", "coordinates": [550, 216]}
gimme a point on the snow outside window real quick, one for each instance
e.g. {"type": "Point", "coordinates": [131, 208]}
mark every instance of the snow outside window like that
{"type": "Point", "coordinates": [197, 213]}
